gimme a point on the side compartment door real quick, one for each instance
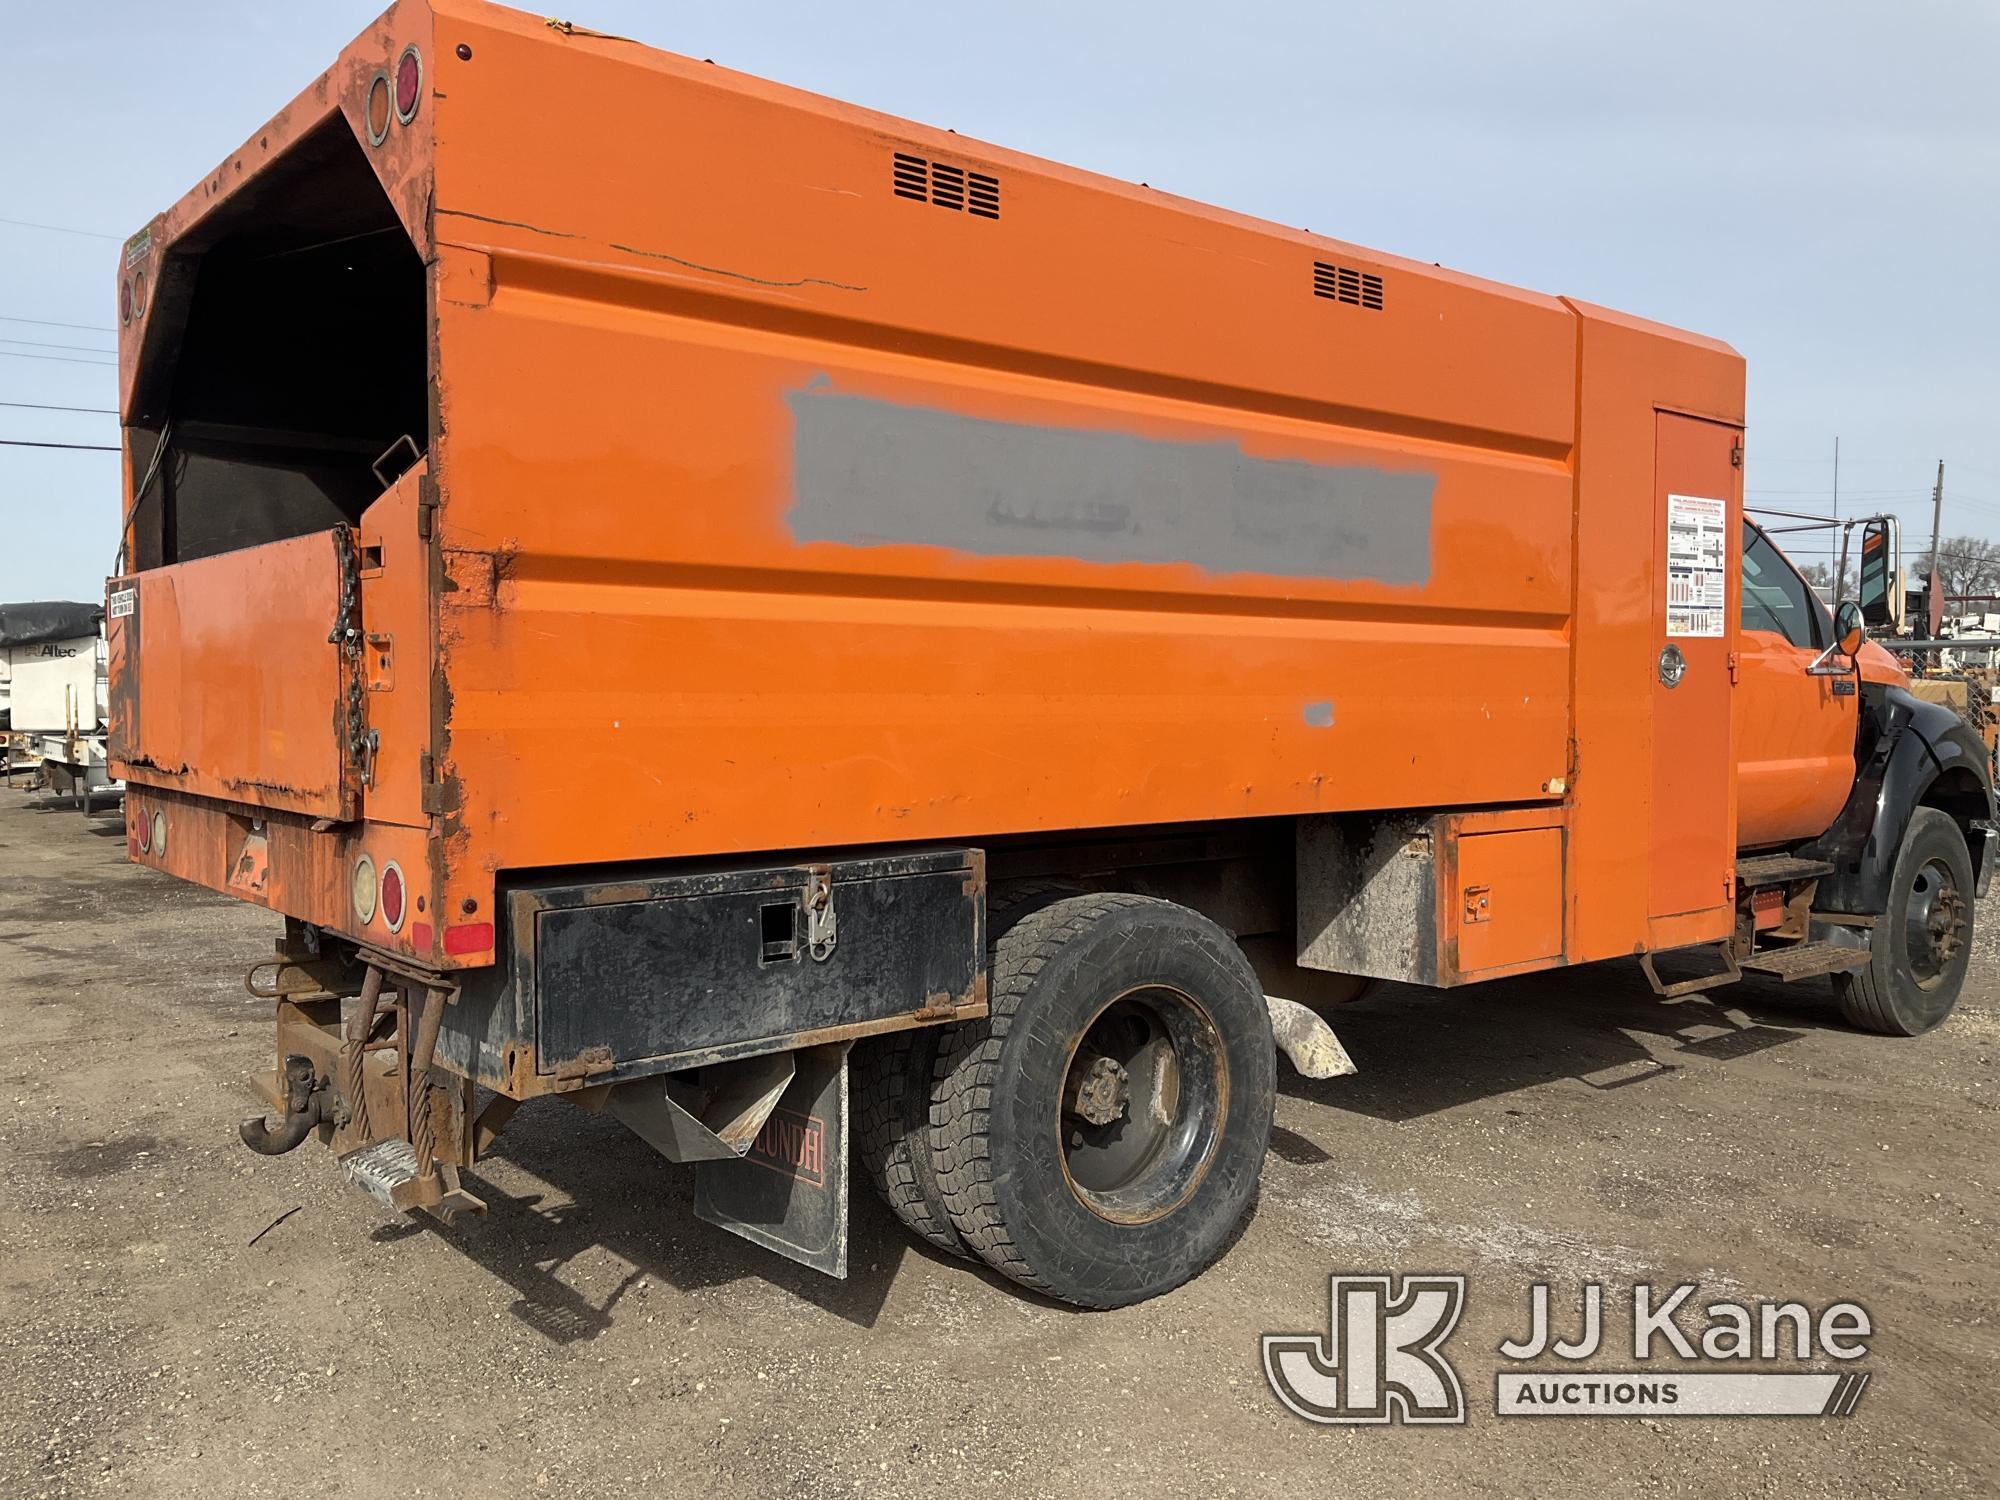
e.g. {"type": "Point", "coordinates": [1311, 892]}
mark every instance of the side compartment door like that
{"type": "Point", "coordinates": [1698, 506]}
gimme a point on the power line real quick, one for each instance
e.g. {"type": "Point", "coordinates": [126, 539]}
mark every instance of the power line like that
{"type": "Point", "coordinates": [63, 359]}
{"type": "Point", "coordinates": [81, 447]}
{"type": "Point", "coordinates": [38, 344]}
{"type": "Point", "coordinates": [51, 323]}
{"type": "Point", "coordinates": [102, 411]}
{"type": "Point", "coordinates": [89, 234]}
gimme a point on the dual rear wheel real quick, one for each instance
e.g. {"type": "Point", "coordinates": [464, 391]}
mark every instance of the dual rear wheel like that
{"type": "Point", "coordinates": [1097, 1137]}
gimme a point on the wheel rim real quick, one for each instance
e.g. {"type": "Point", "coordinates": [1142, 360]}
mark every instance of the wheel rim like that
{"type": "Point", "coordinates": [1144, 1091]}
{"type": "Point", "coordinates": [1933, 924]}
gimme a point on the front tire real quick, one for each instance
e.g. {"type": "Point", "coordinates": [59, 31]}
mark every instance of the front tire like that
{"type": "Point", "coordinates": [1921, 946]}
{"type": "Point", "coordinates": [1099, 1135]}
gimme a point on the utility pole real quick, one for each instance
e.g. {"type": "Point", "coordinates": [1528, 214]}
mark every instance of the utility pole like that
{"type": "Point", "coordinates": [1934, 596]}
{"type": "Point", "coordinates": [1937, 517]}
{"type": "Point", "coordinates": [1840, 537]}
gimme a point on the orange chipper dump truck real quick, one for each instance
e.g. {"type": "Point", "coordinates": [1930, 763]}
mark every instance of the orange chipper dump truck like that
{"type": "Point", "coordinates": [835, 642]}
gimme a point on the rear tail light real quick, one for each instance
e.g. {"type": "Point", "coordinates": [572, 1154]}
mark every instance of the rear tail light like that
{"type": "Point", "coordinates": [159, 831]}
{"type": "Point", "coordinates": [145, 834]}
{"type": "Point", "coordinates": [125, 301]}
{"type": "Point", "coordinates": [393, 896]}
{"type": "Point", "coordinates": [364, 890]}
{"type": "Point", "coordinates": [409, 84]}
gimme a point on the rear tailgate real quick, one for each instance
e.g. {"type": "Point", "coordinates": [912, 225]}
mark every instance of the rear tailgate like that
{"type": "Point", "coordinates": [229, 676]}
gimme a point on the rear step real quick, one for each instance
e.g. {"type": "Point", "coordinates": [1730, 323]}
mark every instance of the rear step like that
{"type": "Point", "coordinates": [1806, 961]}
{"type": "Point", "coordinates": [388, 1172]}
{"type": "Point", "coordinates": [1777, 869]}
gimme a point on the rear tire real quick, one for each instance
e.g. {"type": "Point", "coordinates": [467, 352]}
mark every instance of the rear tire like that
{"type": "Point", "coordinates": [1098, 1136]}
{"type": "Point", "coordinates": [1921, 946]}
{"type": "Point", "coordinates": [892, 1081]}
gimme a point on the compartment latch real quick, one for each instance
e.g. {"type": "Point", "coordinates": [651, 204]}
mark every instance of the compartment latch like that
{"type": "Point", "coordinates": [821, 929]}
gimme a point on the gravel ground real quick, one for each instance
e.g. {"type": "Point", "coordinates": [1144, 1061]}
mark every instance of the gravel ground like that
{"type": "Point", "coordinates": [590, 1337]}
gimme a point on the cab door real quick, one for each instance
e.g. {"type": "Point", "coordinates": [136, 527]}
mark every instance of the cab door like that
{"type": "Point", "coordinates": [1794, 732]}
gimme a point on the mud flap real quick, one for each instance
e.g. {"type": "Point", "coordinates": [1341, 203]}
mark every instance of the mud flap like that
{"type": "Point", "coordinates": [788, 1193]}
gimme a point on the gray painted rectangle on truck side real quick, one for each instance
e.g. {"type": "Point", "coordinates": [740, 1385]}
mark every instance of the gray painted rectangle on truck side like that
{"type": "Point", "coordinates": [872, 473]}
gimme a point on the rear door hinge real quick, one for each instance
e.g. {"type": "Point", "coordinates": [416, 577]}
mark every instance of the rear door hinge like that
{"type": "Point", "coordinates": [1732, 666]}
{"type": "Point", "coordinates": [1736, 455]}
{"type": "Point", "coordinates": [437, 797]}
{"type": "Point", "coordinates": [427, 502]}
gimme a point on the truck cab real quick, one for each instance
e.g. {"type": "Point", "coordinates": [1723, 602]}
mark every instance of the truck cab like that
{"type": "Point", "coordinates": [1839, 764]}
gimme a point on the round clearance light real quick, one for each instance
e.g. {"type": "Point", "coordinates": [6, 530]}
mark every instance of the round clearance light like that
{"type": "Point", "coordinates": [159, 830]}
{"type": "Point", "coordinates": [409, 84]}
{"type": "Point", "coordinates": [364, 890]}
{"type": "Point", "coordinates": [377, 110]}
{"type": "Point", "coordinates": [138, 293]}
{"type": "Point", "coordinates": [144, 833]}
{"type": "Point", "coordinates": [393, 896]}
{"type": "Point", "coordinates": [125, 300]}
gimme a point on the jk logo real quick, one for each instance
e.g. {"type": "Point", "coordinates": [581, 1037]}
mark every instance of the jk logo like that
{"type": "Point", "coordinates": [1380, 1359]}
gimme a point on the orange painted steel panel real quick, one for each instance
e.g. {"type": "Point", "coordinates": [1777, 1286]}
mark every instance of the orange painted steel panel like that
{"type": "Point", "coordinates": [227, 682]}
{"type": "Point", "coordinates": [1794, 743]}
{"type": "Point", "coordinates": [1694, 835]}
{"type": "Point", "coordinates": [398, 628]}
{"type": "Point", "coordinates": [1509, 903]}
{"type": "Point", "coordinates": [768, 508]}
{"type": "Point", "coordinates": [821, 690]}
{"type": "Point", "coordinates": [1629, 370]}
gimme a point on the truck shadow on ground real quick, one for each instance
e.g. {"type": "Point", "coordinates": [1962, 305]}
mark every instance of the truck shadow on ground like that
{"type": "Point", "coordinates": [1423, 1051]}
{"type": "Point", "coordinates": [564, 1188]}
{"type": "Point", "coordinates": [599, 1191]}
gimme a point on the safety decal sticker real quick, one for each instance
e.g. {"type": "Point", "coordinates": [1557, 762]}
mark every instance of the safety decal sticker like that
{"type": "Point", "coordinates": [1697, 554]}
{"type": "Point", "coordinates": [123, 603]}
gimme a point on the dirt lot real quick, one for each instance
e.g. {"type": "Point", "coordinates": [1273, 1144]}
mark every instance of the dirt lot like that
{"type": "Point", "coordinates": [588, 1336]}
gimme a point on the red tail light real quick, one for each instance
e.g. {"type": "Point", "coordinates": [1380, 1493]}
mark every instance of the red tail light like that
{"type": "Point", "coordinates": [409, 84]}
{"type": "Point", "coordinates": [145, 833]}
{"type": "Point", "coordinates": [393, 896]}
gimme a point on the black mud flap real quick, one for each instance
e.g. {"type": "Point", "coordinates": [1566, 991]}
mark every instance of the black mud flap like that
{"type": "Point", "coordinates": [788, 1193]}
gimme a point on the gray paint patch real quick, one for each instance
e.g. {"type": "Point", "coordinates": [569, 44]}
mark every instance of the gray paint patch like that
{"type": "Point", "coordinates": [872, 473]}
{"type": "Point", "coordinates": [1320, 715]}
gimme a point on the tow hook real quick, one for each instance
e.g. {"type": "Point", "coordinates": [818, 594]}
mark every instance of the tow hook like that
{"type": "Point", "coordinates": [304, 1107]}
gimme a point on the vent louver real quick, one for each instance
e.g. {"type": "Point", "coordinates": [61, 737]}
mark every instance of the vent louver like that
{"type": "Point", "coordinates": [1346, 284]}
{"type": "Point", "coordinates": [945, 185]}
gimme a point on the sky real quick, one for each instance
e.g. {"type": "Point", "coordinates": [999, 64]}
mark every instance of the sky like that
{"type": "Point", "coordinates": [1816, 182]}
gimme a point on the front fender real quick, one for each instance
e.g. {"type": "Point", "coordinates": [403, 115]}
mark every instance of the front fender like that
{"type": "Point", "coordinates": [1905, 745]}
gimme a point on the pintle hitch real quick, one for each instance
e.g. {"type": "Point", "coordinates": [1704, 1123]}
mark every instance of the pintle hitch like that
{"type": "Point", "coordinates": [306, 1104]}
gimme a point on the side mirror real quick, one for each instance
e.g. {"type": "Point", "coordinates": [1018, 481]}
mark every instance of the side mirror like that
{"type": "Point", "coordinates": [1850, 628]}
{"type": "Point", "coordinates": [1849, 631]}
{"type": "Point", "coordinates": [1882, 573]}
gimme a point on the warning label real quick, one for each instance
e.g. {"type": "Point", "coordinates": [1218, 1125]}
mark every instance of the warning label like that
{"type": "Point", "coordinates": [1697, 559]}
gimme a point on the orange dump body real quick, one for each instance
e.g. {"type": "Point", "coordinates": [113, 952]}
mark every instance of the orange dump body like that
{"type": "Point", "coordinates": [784, 476]}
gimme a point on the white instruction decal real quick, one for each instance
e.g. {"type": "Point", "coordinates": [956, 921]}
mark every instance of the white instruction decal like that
{"type": "Point", "coordinates": [1697, 556]}
{"type": "Point", "coordinates": [123, 602]}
